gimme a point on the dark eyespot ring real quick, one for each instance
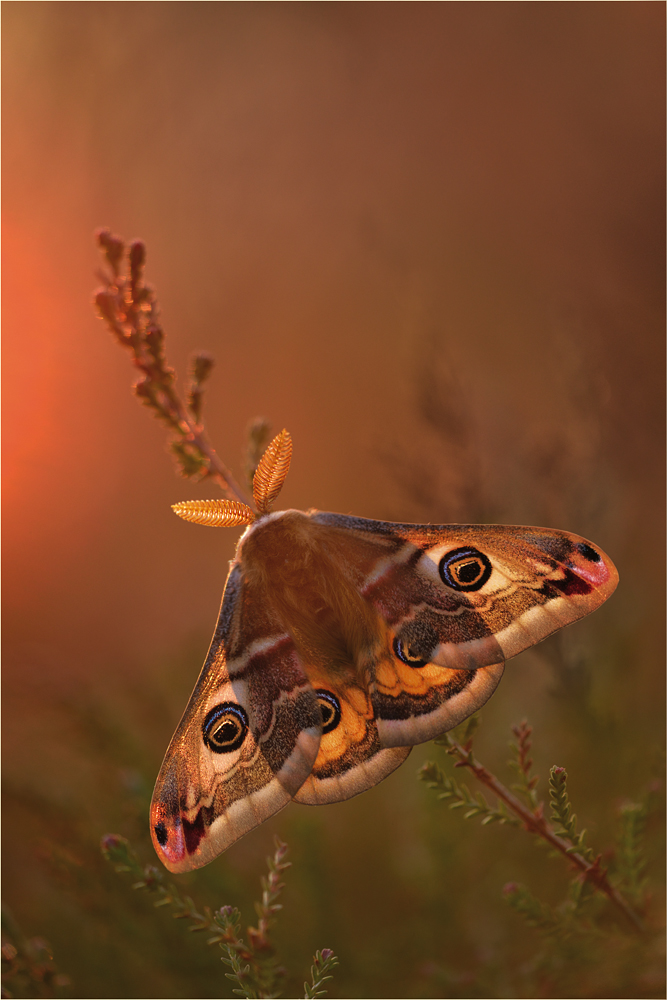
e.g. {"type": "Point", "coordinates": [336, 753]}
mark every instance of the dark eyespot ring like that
{"type": "Point", "coordinates": [225, 728]}
{"type": "Point", "coordinates": [330, 709]}
{"type": "Point", "coordinates": [587, 552]}
{"type": "Point", "coordinates": [465, 569]}
{"type": "Point", "coordinates": [404, 653]}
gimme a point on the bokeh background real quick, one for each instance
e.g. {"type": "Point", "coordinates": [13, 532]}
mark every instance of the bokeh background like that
{"type": "Point", "coordinates": [428, 239]}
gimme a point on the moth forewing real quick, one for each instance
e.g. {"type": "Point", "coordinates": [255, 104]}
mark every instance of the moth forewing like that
{"type": "Point", "coordinates": [247, 741]}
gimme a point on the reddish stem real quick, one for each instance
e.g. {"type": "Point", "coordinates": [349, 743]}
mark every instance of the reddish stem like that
{"type": "Point", "coordinates": [129, 310]}
{"type": "Point", "coordinates": [534, 822]}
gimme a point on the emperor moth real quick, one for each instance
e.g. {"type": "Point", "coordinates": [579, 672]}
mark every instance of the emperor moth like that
{"type": "Point", "coordinates": [343, 642]}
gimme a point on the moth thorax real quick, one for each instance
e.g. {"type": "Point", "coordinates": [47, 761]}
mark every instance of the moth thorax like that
{"type": "Point", "coordinates": [324, 612]}
{"type": "Point", "coordinates": [280, 547]}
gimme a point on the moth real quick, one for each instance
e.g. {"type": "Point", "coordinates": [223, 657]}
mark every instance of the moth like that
{"type": "Point", "coordinates": [343, 642]}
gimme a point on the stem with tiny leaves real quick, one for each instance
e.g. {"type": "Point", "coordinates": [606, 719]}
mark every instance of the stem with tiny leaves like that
{"type": "Point", "coordinates": [130, 310]}
{"type": "Point", "coordinates": [566, 841]}
{"type": "Point", "coordinates": [255, 969]}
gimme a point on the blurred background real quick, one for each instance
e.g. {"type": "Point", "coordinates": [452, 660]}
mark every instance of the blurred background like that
{"type": "Point", "coordinates": [428, 239]}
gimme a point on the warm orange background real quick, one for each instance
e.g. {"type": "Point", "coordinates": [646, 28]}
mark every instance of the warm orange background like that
{"type": "Point", "coordinates": [427, 238]}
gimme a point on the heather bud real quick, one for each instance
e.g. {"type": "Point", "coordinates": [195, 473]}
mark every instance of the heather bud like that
{"type": "Point", "coordinates": [202, 366]}
{"type": "Point", "coordinates": [113, 247]}
{"type": "Point", "coordinates": [137, 257]}
{"type": "Point", "coordinates": [106, 305]}
{"type": "Point", "coordinates": [143, 389]}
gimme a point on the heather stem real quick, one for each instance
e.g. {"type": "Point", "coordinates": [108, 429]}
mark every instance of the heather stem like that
{"type": "Point", "coordinates": [534, 822]}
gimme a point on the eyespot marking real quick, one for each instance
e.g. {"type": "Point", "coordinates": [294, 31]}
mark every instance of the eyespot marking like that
{"type": "Point", "coordinates": [330, 709]}
{"type": "Point", "coordinates": [161, 834]}
{"type": "Point", "coordinates": [588, 552]}
{"type": "Point", "coordinates": [225, 727]}
{"type": "Point", "coordinates": [465, 569]}
{"type": "Point", "coordinates": [403, 651]}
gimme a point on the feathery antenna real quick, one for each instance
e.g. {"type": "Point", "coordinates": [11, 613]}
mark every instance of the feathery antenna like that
{"type": "Point", "coordinates": [267, 483]}
{"type": "Point", "coordinates": [272, 471]}
{"type": "Point", "coordinates": [214, 513]}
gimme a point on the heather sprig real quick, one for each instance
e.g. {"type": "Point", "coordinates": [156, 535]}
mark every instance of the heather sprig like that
{"type": "Point", "coordinates": [630, 858]}
{"type": "Point", "coordinates": [522, 763]}
{"type": "Point", "coordinates": [128, 306]}
{"type": "Point", "coordinates": [561, 813]}
{"type": "Point", "coordinates": [565, 839]}
{"type": "Point", "coordinates": [562, 921]}
{"type": "Point", "coordinates": [28, 966]}
{"type": "Point", "coordinates": [323, 965]}
{"type": "Point", "coordinates": [460, 797]}
{"type": "Point", "coordinates": [534, 911]}
{"type": "Point", "coordinates": [256, 971]}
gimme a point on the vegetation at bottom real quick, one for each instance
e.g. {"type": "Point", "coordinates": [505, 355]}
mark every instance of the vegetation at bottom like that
{"type": "Point", "coordinates": [594, 940]}
{"type": "Point", "coordinates": [479, 880]}
{"type": "Point", "coordinates": [597, 935]}
{"type": "Point", "coordinates": [256, 971]}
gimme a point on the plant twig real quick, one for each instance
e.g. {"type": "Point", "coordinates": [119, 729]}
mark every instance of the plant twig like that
{"type": "Point", "coordinates": [534, 822]}
{"type": "Point", "coordinates": [630, 862]}
{"type": "Point", "coordinates": [523, 763]}
{"type": "Point", "coordinates": [268, 907]}
{"type": "Point", "coordinates": [324, 963]}
{"type": "Point", "coordinates": [129, 308]}
{"type": "Point", "coordinates": [255, 968]}
{"type": "Point", "coordinates": [561, 812]}
{"type": "Point", "coordinates": [27, 963]}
